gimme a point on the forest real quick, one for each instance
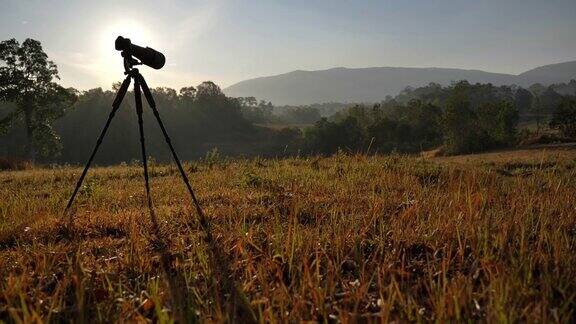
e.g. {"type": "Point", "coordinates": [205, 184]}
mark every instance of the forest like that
{"type": "Point", "coordinates": [45, 122]}
{"type": "Point", "coordinates": [461, 118]}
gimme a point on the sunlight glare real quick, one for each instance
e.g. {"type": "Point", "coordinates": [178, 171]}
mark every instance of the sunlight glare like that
{"type": "Point", "coordinates": [111, 63]}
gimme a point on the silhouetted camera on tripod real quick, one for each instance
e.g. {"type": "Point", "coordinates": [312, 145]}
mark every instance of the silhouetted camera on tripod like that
{"type": "Point", "coordinates": [156, 60]}
{"type": "Point", "coordinates": [146, 55]}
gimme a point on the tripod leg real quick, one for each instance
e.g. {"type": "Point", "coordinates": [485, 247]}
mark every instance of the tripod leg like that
{"type": "Point", "coordinates": [117, 101]}
{"type": "Point", "coordinates": [138, 97]}
{"type": "Point", "coordinates": [203, 220]}
{"type": "Point", "coordinates": [238, 306]}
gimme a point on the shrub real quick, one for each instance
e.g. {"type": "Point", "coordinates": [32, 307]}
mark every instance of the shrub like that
{"type": "Point", "coordinates": [12, 163]}
{"type": "Point", "coordinates": [564, 118]}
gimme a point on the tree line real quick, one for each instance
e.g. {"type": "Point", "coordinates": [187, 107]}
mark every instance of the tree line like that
{"type": "Point", "coordinates": [41, 120]}
{"type": "Point", "coordinates": [460, 118]}
{"type": "Point", "coordinates": [199, 119]}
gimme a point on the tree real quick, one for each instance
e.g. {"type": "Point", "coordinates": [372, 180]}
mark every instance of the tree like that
{"type": "Point", "coordinates": [300, 115]}
{"type": "Point", "coordinates": [188, 92]}
{"type": "Point", "coordinates": [384, 132]}
{"type": "Point", "coordinates": [460, 133]}
{"type": "Point", "coordinates": [424, 122]}
{"type": "Point", "coordinates": [523, 100]}
{"type": "Point", "coordinates": [549, 100]}
{"type": "Point", "coordinates": [327, 137]}
{"type": "Point", "coordinates": [208, 89]}
{"type": "Point", "coordinates": [497, 123]}
{"type": "Point", "coordinates": [564, 118]}
{"type": "Point", "coordinates": [26, 79]}
{"type": "Point", "coordinates": [254, 111]}
{"type": "Point", "coordinates": [248, 101]}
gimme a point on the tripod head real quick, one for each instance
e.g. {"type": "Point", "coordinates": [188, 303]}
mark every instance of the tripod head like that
{"type": "Point", "coordinates": [129, 62]}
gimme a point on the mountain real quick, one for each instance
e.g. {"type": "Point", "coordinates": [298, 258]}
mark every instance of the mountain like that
{"type": "Point", "coordinates": [548, 74]}
{"type": "Point", "coordinates": [373, 84]}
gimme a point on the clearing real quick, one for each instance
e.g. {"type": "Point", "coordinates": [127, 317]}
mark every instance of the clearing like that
{"type": "Point", "coordinates": [487, 237]}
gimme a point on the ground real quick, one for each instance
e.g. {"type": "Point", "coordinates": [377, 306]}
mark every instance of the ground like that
{"type": "Point", "coordinates": [487, 237]}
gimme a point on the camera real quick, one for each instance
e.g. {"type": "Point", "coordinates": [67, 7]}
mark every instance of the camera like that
{"type": "Point", "coordinates": [146, 55]}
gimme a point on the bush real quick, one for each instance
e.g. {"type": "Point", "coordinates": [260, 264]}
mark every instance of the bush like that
{"type": "Point", "coordinates": [327, 137]}
{"type": "Point", "coordinates": [12, 163]}
{"type": "Point", "coordinates": [468, 130]}
{"type": "Point", "coordinates": [383, 128]}
{"type": "Point", "coordinates": [564, 118]}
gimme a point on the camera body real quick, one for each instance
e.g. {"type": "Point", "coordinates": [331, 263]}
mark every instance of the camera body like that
{"type": "Point", "coordinates": [146, 55]}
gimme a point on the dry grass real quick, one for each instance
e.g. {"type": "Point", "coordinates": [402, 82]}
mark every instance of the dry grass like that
{"type": "Point", "coordinates": [355, 238]}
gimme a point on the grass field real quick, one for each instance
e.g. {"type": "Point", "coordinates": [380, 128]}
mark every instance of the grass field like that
{"type": "Point", "coordinates": [478, 238]}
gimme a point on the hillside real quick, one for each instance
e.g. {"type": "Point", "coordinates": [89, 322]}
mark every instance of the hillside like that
{"type": "Point", "coordinates": [373, 84]}
{"type": "Point", "coordinates": [548, 74]}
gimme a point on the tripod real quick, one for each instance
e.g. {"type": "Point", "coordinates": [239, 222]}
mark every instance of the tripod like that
{"type": "Point", "coordinates": [219, 262]}
{"type": "Point", "coordinates": [140, 85]}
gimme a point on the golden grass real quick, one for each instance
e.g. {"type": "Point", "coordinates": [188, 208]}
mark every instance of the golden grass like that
{"type": "Point", "coordinates": [355, 238]}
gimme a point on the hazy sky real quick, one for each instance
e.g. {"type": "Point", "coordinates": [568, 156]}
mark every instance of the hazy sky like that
{"type": "Point", "coordinates": [232, 40]}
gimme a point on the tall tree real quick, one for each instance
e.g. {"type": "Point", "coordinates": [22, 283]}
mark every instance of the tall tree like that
{"type": "Point", "coordinates": [523, 100]}
{"type": "Point", "coordinates": [27, 80]}
{"type": "Point", "coordinates": [564, 118]}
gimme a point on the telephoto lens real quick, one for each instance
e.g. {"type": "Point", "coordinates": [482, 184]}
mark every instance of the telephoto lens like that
{"type": "Point", "coordinates": [146, 55]}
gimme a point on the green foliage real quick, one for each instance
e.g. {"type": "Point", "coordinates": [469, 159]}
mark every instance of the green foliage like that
{"type": "Point", "coordinates": [463, 117]}
{"type": "Point", "coordinates": [265, 113]}
{"type": "Point", "coordinates": [564, 118]}
{"type": "Point", "coordinates": [251, 180]}
{"type": "Point", "coordinates": [219, 114]}
{"type": "Point", "coordinates": [327, 137]}
{"type": "Point", "coordinates": [488, 126]}
{"type": "Point", "coordinates": [254, 111]}
{"type": "Point", "coordinates": [523, 100]}
{"type": "Point", "coordinates": [432, 93]}
{"type": "Point", "coordinates": [478, 118]}
{"type": "Point", "coordinates": [565, 89]}
{"type": "Point", "coordinates": [299, 115]}
{"type": "Point", "coordinates": [196, 119]}
{"type": "Point", "coordinates": [26, 79]}
{"type": "Point", "coordinates": [383, 128]}
{"type": "Point", "coordinates": [460, 135]}
{"type": "Point", "coordinates": [325, 109]}
{"type": "Point", "coordinates": [549, 100]}
{"type": "Point", "coordinates": [213, 157]}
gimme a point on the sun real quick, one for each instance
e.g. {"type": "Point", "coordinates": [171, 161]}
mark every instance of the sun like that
{"type": "Point", "coordinates": [126, 28]}
{"type": "Point", "coordinates": [111, 61]}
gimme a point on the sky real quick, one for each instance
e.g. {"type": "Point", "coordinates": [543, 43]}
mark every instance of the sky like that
{"type": "Point", "coordinates": [231, 40]}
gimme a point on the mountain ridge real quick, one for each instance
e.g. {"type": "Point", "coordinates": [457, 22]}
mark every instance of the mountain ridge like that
{"type": "Point", "coordinates": [372, 84]}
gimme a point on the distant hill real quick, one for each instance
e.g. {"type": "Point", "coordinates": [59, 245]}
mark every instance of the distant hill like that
{"type": "Point", "coordinates": [548, 74]}
{"type": "Point", "coordinates": [373, 84]}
